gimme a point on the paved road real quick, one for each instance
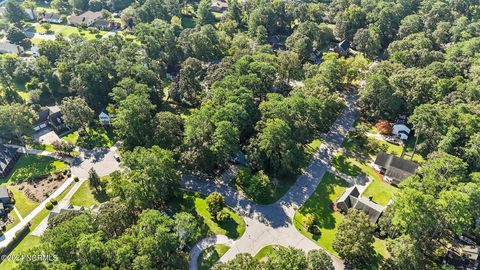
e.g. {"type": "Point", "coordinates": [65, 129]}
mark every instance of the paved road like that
{"type": "Point", "coordinates": [205, 243]}
{"type": "Point", "coordinates": [273, 224]}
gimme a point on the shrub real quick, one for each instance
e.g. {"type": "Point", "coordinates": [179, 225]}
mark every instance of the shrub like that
{"type": "Point", "coordinates": [260, 186]}
{"type": "Point", "coordinates": [243, 177]}
{"type": "Point", "coordinates": [310, 223]}
{"type": "Point", "coordinates": [54, 201]}
{"type": "Point", "coordinates": [49, 206]}
{"type": "Point", "coordinates": [384, 127]}
{"type": "Point", "coordinates": [223, 215]}
{"type": "Point", "coordinates": [76, 179]}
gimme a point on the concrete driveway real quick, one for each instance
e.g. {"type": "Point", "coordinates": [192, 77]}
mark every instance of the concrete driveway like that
{"type": "Point", "coordinates": [45, 136]}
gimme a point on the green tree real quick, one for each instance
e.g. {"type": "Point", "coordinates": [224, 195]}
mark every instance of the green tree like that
{"type": "Point", "coordinates": [319, 260]}
{"type": "Point", "coordinates": [152, 177]}
{"type": "Point", "coordinates": [14, 13]}
{"type": "Point", "coordinates": [241, 261]}
{"type": "Point", "coordinates": [368, 41]}
{"type": "Point", "coordinates": [188, 90]}
{"type": "Point", "coordinates": [114, 217]}
{"type": "Point", "coordinates": [274, 150]}
{"type": "Point", "coordinates": [259, 186]}
{"type": "Point", "coordinates": [168, 130]}
{"type": "Point", "coordinates": [133, 121]}
{"type": "Point", "coordinates": [187, 228]}
{"type": "Point", "coordinates": [204, 14]}
{"type": "Point", "coordinates": [76, 112]}
{"type": "Point", "coordinates": [354, 239]}
{"type": "Point", "coordinates": [15, 121]}
{"type": "Point", "coordinates": [94, 179]}
{"type": "Point", "coordinates": [378, 99]}
{"type": "Point", "coordinates": [215, 203]}
{"type": "Point", "coordinates": [287, 258]}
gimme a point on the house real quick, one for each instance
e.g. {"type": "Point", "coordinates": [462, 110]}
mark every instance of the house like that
{"type": "Point", "coordinates": [463, 254]}
{"type": "Point", "coordinates": [104, 118]}
{"type": "Point", "coordinates": [8, 157]}
{"type": "Point", "coordinates": [394, 169]}
{"type": "Point", "coordinates": [219, 5]}
{"type": "Point", "coordinates": [88, 18]}
{"type": "Point", "coordinates": [50, 117]}
{"type": "Point", "coordinates": [401, 131]}
{"type": "Point", "coordinates": [4, 199]}
{"type": "Point", "coordinates": [7, 47]}
{"type": "Point", "coordinates": [351, 199]}
{"type": "Point", "coordinates": [60, 210]}
{"type": "Point", "coordinates": [49, 17]}
{"type": "Point", "coordinates": [316, 57]}
{"type": "Point", "coordinates": [107, 25]}
{"type": "Point", "coordinates": [342, 47]}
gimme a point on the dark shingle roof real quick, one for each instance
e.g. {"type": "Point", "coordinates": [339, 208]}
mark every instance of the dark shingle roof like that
{"type": "Point", "coordinates": [351, 199]}
{"type": "Point", "coordinates": [397, 168]}
{"type": "Point", "coordinates": [344, 44]}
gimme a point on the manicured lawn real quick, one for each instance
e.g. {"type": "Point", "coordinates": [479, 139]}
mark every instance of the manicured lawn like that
{"type": "Point", "coordinates": [396, 150]}
{"type": "Point", "coordinates": [195, 203]}
{"type": "Point", "coordinates": [320, 204]}
{"type": "Point", "coordinates": [86, 196]}
{"type": "Point", "coordinates": [266, 251]}
{"type": "Point", "coordinates": [16, 219]}
{"type": "Point", "coordinates": [23, 204]}
{"type": "Point", "coordinates": [211, 255]}
{"type": "Point", "coordinates": [381, 191]}
{"type": "Point", "coordinates": [30, 167]}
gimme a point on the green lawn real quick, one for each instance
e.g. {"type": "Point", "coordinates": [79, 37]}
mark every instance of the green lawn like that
{"type": "Point", "coordinates": [211, 255]}
{"type": "Point", "coordinates": [381, 191]}
{"type": "Point", "coordinates": [266, 251]}
{"type": "Point", "coordinates": [15, 217]}
{"type": "Point", "coordinates": [312, 147]}
{"type": "Point", "coordinates": [23, 204]}
{"type": "Point", "coordinates": [86, 196]}
{"type": "Point", "coordinates": [320, 204]}
{"type": "Point", "coordinates": [30, 167]}
{"type": "Point", "coordinates": [195, 203]}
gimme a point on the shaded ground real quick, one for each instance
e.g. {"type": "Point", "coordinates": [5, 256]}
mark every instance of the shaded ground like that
{"type": "Point", "coordinates": [195, 203]}
{"type": "Point", "coordinates": [211, 255]}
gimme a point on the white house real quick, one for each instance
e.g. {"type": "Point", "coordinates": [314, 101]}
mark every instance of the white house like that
{"type": "Point", "coordinates": [401, 131]}
{"type": "Point", "coordinates": [104, 118]}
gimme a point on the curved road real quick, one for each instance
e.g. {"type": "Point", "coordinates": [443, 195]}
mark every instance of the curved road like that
{"type": "Point", "coordinates": [272, 224]}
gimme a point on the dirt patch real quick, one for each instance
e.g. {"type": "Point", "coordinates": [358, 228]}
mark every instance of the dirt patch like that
{"type": "Point", "coordinates": [38, 190]}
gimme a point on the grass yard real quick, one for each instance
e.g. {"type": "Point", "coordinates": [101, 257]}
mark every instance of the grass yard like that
{"type": "Point", "coordinates": [86, 196]}
{"type": "Point", "coordinates": [266, 251]}
{"type": "Point", "coordinates": [211, 255]}
{"type": "Point", "coordinates": [320, 204]}
{"type": "Point", "coordinates": [30, 167]}
{"type": "Point", "coordinates": [23, 204]}
{"type": "Point", "coordinates": [195, 203]}
{"type": "Point", "coordinates": [14, 217]}
{"type": "Point", "coordinates": [381, 191]}
{"type": "Point", "coordinates": [95, 137]}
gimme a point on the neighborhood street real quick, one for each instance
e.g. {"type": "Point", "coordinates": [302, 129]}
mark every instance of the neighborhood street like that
{"type": "Point", "coordinates": [272, 224]}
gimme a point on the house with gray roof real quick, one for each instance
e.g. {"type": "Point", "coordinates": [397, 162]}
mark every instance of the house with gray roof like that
{"type": "Point", "coordinates": [8, 157]}
{"type": "Point", "coordinates": [394, 169]}
{"type": "Point", "coordinates": [50, 117]}
{"type": "Point", "coordinates": [5, 199]}
{"type": "Point", "coordinates": [351, 199]}
{"type": "Point", "coordinates": [7, 47]}
{"type": "Point", "coordinates": [88, 18]}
